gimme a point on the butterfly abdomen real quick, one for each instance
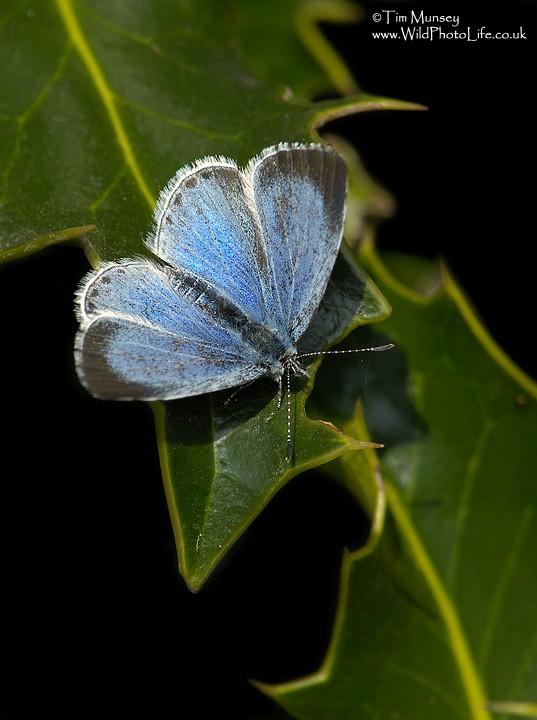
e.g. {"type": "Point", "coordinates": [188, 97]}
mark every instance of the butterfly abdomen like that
{"type": "Point", "coordinates": [218, 308]}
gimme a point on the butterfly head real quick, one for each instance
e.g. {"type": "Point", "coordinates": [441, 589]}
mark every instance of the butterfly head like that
{"type": "Point", "coordinates": [290, 363]}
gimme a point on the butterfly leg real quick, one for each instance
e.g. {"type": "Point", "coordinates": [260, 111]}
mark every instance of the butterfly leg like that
{"type": "Point", "coordinates": [280, 391]}
{"type": "Point", "coordinates": [236, 392]}
{"type": "Point", "coordinates": [289, 430]}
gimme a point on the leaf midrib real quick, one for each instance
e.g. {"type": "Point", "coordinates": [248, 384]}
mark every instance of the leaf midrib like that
{"type": "Point", "coordinates": [105, 93]}
{"type": "Point", "coordinates": [469, 676]}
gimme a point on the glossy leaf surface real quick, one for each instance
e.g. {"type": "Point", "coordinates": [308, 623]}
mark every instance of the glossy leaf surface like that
{"type": "Point", "coordinates": [214, 482]}
{"type": "Point", "coordinates": [101, 102]}
{"type": "Point", "coordinates": [440, 620]}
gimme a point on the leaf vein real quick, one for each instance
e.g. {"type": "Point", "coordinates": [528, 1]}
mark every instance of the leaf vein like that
{"type": "Point", "coordinates": [425, 682]}
{"type": "Point", "coordinates": [144, 40]}
{"type": "Point", "coordinates": [176, 122]}
{"type": "Point", "coordinates": [469, 677]}
{"type": "Point", "coordinates": [464, 503]}
{"type": "Point", "coordinates": [107, 190]}
{"type": "Point", "coordinates": [23, 118]}
{"type": "Point", "coordinates": [97, 76]}
{"type": "Point", "coordinates": [502, 587]}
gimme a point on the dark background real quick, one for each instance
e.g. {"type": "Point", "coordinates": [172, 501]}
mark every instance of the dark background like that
{"type": "Point", "coordinates": [95, 622]}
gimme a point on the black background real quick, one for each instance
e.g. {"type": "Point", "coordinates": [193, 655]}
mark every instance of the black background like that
{"type": "Point", "coordinates": [95, 622]}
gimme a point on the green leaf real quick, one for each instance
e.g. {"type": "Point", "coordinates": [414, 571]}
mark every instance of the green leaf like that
{"type": "Point", "coordinates": [310, 66]}
{"type": "Point", "coordinates": [101, 102]}
{"type": "Point", "coordinates": [223, 461]}
{"type": "Point", "coordinates": [439, 618]}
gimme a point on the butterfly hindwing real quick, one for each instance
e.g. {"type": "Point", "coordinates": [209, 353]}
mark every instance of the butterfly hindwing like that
{"type": "Point", "coordinates": [123, 360]}
{"type": "Point", "coordinates": [146, 333]}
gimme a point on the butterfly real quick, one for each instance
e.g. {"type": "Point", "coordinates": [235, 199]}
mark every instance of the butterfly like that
{"type": "Point", "coordinates": [242, 260]}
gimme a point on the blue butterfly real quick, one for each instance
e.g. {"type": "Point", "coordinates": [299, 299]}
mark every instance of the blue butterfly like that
{"type": "Point", "coordinates": [244, 257]}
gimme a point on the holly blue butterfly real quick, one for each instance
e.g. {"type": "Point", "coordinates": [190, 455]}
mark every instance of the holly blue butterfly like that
{"type": "Point", "coordinates": [243, 258]}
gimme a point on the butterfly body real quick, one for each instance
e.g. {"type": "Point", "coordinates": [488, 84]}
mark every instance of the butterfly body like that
{"type": "Point", "coordinates": [243, 257]}
{"type": "Point", "coordinates": [271, 348]}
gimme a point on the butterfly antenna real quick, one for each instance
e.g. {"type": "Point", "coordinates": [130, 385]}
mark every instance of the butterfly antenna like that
{"type": "Point", "coordinates": [377, 348]}
{"type": "Point", "coordinates": [289, 436]}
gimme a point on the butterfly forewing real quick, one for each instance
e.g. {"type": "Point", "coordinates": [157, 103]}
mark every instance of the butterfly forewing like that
{"type": "Point", "coordinates": [205, 224]}
{"type": "Point", "coordinates": [299, 193]}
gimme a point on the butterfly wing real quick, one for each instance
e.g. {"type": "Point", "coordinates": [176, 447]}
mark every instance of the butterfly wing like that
{"type": "Point", "coordinates": [249, 255]}
{"type": "Point", "coordinates": [299, 192]}
{"type": "Point", "coordinates": [147, 333]}
{"type": "Point", "coordinates": [205, 223]}
{"type": "Point", "coordinates": [265, 238]}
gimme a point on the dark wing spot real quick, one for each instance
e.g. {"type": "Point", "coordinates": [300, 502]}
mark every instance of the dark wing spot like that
{"type": "Point", "coordinates": [191, 181]}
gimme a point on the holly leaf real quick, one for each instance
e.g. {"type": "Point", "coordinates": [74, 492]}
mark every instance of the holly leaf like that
{"type": "Point", "coordinates": [311, 65]}
{"type": "Point", "coordinates": [439, 618]}
{"type": "Point", "coordinates": [209, 446]}
{"type": "Point", "coordinates": [111, 100]}
{"type": "Point", "coordinates": [100, 104]}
